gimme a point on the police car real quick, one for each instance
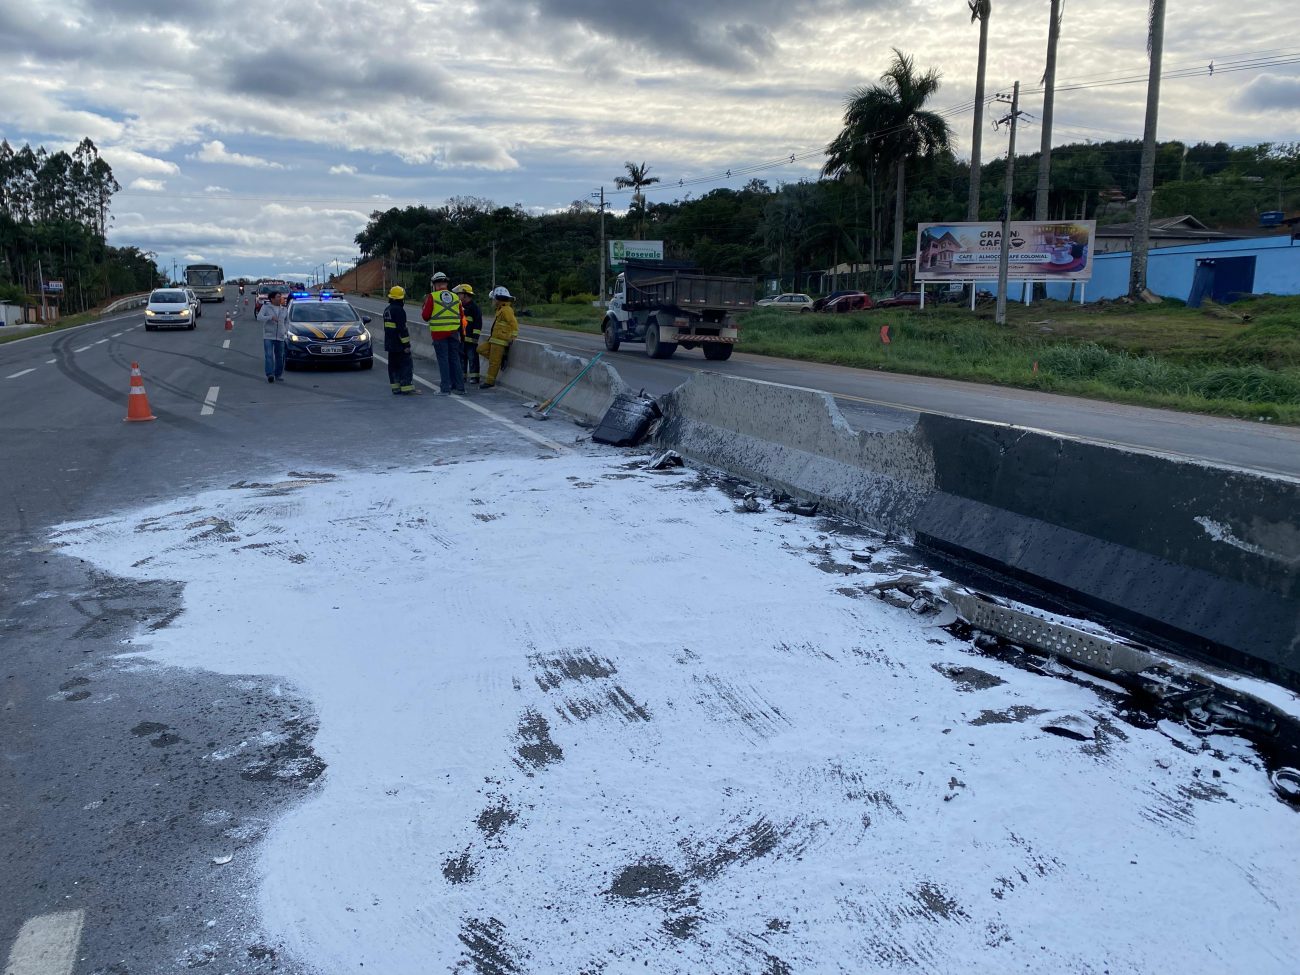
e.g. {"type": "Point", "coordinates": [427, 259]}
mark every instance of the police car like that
{"type": "Point", "coordinates": [326, 330]}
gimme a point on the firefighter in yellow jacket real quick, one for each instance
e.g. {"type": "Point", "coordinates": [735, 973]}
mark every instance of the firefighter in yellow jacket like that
{"type": "Point", "coordinates": [505, 329]}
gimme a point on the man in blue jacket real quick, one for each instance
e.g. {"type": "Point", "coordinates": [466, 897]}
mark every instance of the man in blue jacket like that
{"type": "Point", "coordinates": [397, 343]}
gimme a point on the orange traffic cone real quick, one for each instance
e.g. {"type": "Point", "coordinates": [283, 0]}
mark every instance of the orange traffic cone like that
{"type": "Point", "coordinates": [230, 325]}
{"type": "Point", "coordinates": [137, 404]}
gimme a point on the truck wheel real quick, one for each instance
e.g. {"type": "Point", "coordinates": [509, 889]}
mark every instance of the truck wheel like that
{"type": "Point", "coordinates": [717, 351]}
{"type": "Point", "coordinates": [656, 349]}
{"type": "Point", "coordinates": [610, 329]}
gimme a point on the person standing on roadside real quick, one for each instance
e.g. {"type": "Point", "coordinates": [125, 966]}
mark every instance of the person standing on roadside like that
{"type": "Point", "coordinates": [397, 343]}
{"type": "Point", "coordinates": [473, 328]}
{"type": "Point", "coordinates": [446, 325]}
{"type": "Point", "coordinates": [274, 318]}
{"type": "Point", "coordinates": [505, 329]}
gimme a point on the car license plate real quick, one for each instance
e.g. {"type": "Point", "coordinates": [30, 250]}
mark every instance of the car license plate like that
{"type": "Point", "coordinates": [328, 349]}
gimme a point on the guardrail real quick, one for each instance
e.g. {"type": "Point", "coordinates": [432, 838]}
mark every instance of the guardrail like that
{"type": "Point", "coordinates": [130, 301]}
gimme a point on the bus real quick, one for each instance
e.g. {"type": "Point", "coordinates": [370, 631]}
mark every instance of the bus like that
{"type": "Point", "coordinates": [206, 280]}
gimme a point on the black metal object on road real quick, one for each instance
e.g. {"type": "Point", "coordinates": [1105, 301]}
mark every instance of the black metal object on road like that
{"type": "Point", "coordinates": [626, 421]}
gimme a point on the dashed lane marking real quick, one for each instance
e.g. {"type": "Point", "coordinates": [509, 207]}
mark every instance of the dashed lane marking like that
{"type": "Point", "coordinates": [101, 341]}
{"type": "Point", "coordinates": [210, 401]}
{"type": "Point", "coordinates": [226, 344]}
{"type": "Point", "coordinates": [47, 945]}
{"type": "Point", "coordinates": [17, 374]}
{"type": "Point", "coordinates": [84, 348]}
{"type": "Point", "coordinates": [511, 424]}
{"type": "Point", "coordinates": [50, 362]}
{"type": "Point", "coordinates": [116, 334]}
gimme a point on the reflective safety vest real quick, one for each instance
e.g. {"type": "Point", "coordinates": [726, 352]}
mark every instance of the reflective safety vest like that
{"type": "Point", "coordinates": [445, 314]}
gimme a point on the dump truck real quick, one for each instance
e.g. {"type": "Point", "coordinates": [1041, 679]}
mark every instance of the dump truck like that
{"type": "Point", "coordinates": [667, 304]}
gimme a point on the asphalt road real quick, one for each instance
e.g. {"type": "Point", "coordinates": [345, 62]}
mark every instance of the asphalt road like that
{"type": "Point", "coordinates": [115, 810]}
{"type": "Point", "coordinates": [881, 401]}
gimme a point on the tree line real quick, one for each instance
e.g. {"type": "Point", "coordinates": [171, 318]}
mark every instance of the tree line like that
{"type": "Point", "coordinates": [54, 216]}
{"type": "Point", "coordinates": [792, 232]}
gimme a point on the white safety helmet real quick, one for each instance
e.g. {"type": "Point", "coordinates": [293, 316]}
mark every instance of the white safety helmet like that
{"type": "Point", "coordinates": [501, 293]}
{"type": "Point", "coordinates": [439, 276]}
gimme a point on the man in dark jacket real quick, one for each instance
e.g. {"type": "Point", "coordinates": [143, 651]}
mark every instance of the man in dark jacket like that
{"type": "Point", "coordinates": [473, 326]}
{"type": "Point", "coordinates": [397, 343]}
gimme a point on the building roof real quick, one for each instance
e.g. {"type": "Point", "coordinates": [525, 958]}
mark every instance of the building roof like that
{"type": "Point", "coordinates": [1183, 227]}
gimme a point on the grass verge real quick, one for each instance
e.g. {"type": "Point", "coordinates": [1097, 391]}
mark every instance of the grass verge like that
{"type": "Point", "coordinates": [1242, 361]}
{"type": "Point", "coordinates": [63, 323]}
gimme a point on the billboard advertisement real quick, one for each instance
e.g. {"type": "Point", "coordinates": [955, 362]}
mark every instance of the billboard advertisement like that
{"type": "Point", "coordinates": [634, 250]}
{"type": "Point", "coordinates": [1055, 250]}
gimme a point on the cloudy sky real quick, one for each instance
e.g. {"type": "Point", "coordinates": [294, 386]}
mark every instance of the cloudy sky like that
{"type": "Point", "coordinates": [261, 135]}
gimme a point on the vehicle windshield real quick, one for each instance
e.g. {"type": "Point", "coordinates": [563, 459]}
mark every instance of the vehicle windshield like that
{"type": "Point", "coordinates": [321, 311]}
{"type": "Point", "coordinates": [203, 277]}
{"type": "Point", "coordinates": [168, 298]}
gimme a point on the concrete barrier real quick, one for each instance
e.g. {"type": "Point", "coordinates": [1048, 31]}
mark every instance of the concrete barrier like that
{"type": "Point", "coordinates": [539, 372]}
{"type": "Point", "coordinates": [1200, 558]}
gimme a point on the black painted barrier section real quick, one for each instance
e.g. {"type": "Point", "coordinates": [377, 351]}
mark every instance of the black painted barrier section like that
{"type": "Point", "coordinates": [1206, 558]}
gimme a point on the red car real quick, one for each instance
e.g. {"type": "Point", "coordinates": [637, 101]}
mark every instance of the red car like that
{"type": "Point", "coordinates": [858, 301]}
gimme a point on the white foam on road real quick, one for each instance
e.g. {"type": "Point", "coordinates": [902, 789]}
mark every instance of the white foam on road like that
{"type": "Point", "coordinates": [47, 945]}
{"type": "Point", "coordinates": [577, 715]}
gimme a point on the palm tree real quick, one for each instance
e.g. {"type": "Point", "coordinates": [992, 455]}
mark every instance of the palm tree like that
{"type": "Point", "coordinates": [637, 177]}
{"type": "Point", "coordinates": [889, 122]}
{"type": "Point", "coordinates": [980, 10]}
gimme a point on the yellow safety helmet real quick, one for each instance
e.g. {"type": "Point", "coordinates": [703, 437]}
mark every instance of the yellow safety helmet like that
{"type": "Point", "coordinates": [397, 292]}
{"type": "Point", "coordinates": [463, 289]}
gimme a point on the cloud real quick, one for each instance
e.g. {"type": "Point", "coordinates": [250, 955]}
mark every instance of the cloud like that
{"type": "Point", "coordinates": [127, 161]}
{"type": "Point", "coordinates": [152, 185]}
{"type": "Point", "coordinates": [343, 170]}
{"type": "Point", "coordinates": [216, 152]}
{"type": "Point", "coordinates": [1268, 92]}
{"type": "Point", "coordinates": [215, 189]}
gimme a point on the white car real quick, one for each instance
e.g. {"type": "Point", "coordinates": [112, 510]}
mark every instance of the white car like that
{"type": "Point", "coordinates": [195, 302]}
{"type": "Point", "coordinates": [788, 302]}
{"type": "Point", "coordinates": [169, 308]}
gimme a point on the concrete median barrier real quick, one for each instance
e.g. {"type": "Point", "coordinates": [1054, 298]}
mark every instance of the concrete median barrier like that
{"type": "Point", "coordinates": [1201, 558]}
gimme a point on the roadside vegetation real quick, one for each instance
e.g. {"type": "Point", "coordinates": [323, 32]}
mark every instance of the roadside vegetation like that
{"type": "Point", "coordinates": [1242, 362]}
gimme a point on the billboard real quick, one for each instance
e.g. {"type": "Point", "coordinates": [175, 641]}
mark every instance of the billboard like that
{"type": "Point", "coordinates": [54, 286]}
{"type": "Point", "coordinates": [634, 250]}
{"type": "Point", "coordinates": [1056, 250]}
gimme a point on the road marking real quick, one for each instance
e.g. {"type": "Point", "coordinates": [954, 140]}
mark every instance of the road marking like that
{"type": "Point", "coordinates": [116, 334]}
{"type": "Point", "coordinates": [511, 424]}
{"type": "Point", "coordinates": [50, 362]}
{"type": "Point", "coordinates": [101, 341]}
{"type": "Point", "coordinates": [23, 373]}
{"type": "Point", "coordinates": [47, 945]}
{"type": "Point", "coordinates": [210, 403]}
{"type": "Point", "coordinates": [84, 348]}
{"type": "Point", "coordinates": [226, 344]}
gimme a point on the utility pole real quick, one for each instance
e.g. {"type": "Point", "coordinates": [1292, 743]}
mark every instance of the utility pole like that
{"type": "Point", "coordinates": [1004, 251]}
{"type": "Point", "coordinates": [1049, 96]}
{"type": "Point", "coordinates": [602, 245]}
{"type": "Point", "coordinates": [1137, 275]}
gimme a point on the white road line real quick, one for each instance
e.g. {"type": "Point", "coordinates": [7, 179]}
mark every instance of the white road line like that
{"type": "Point", "coordinates": [116, 334]}
{"type": "Point", "coordinates": [47, 945]}
{"type": "Point", "coordinates": [101, 342]}
{"type": "Point", "coordinates": [17, 374]}
{"type": "Point", "coordinates": [84, 348]}
{"type": "Point", "coordinates": [210, 402]}
{"type": "Point", "coordinates": [521, 430]}
{"type": "Point", "coordinates": [50, 362]}
{"type": "Point", "coordinates": [226, 344]}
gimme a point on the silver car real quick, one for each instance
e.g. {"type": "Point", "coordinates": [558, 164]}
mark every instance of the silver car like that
{"type": "Point", "coordinates": [788, 302]}
{"type": "Point", "coordinates": [169, 308]}
{"type": "Point", "coordinates": [195, 302]}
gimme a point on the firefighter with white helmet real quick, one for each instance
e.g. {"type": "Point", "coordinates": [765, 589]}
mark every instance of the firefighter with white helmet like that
{"type": "Point", "coordinates": [446, 326]}
{"type": "Point", "coordinates": [505, 329]}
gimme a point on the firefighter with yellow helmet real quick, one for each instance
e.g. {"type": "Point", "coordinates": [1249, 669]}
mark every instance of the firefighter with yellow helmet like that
{"type": "Point", "coordinates": [473, 316]}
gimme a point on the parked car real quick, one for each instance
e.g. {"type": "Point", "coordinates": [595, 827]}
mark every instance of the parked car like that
{"type": "Point", "coordinates": [901, 299]}
{"type": "Point", "coordinates": [324, 330]}
{"type": "Point", "coordinates": [788, 302]}
{"type": "Point", "coordinates": [853, 301]}
{"type": "Point", "coordinates": [821, 303]}
{"type": "Point", "coordinates": [168, 307]}
{"type": "Point", "coordinates": [195, 302]}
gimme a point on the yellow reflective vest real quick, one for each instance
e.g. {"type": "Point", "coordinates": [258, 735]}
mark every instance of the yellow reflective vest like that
{"type": "Point", "coordinates": [445, 313]}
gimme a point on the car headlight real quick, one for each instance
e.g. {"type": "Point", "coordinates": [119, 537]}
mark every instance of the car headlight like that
{"type": "Point", "coordinates": [183, 312]}
{"type": "Point", "coordinates": [295, 337]}
{"type": "Point", "coordinates": [361, 336]}
{"type": "Point", "coordinates": [149, 313]}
